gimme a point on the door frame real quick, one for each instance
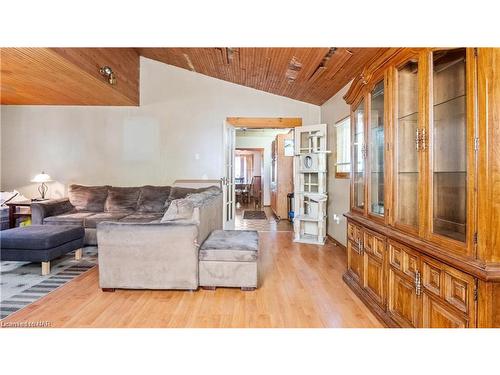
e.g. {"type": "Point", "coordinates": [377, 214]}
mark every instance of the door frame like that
{"type": "Point", "coordinates": [246, 122]}
{"type": "Point", "coordinates": [227, 180]}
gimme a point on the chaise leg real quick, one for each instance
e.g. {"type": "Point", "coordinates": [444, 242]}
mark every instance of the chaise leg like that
{"type": "Point", "coordinates": [247, 288]}
{"type": "Point", "coordinates": [79, 254]}
{"type": "Point", "coordinates": [45, 268]}
{"type": "Point", "coordinates": [108, 289]}
{"type": "Point", "coordinates": [208, 287]}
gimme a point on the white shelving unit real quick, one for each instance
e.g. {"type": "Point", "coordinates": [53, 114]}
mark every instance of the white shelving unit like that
{"type": "Point", "coordinates": [310, 184]}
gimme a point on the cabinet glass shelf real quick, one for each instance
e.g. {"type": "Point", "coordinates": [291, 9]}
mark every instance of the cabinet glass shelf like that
{"type": "Point", "coordinates": [358, 162]}
{"type": "Point", "coordinates": [376, 150]}
{"type": "Point", "coordinates": [449, 149]}
{"type": "Point", "coordinates": [406, 125]}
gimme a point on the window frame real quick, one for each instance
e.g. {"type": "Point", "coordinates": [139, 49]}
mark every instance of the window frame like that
{"type": "Point", "coordinates": [343, 175]}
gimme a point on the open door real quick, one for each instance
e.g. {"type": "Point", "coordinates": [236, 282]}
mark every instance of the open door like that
{"type": "Point", "coordinates": [229, 208]}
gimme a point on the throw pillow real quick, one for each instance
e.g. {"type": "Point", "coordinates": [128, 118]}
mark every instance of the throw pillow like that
{"type": "Point", "coordinates": [88, 198]}
{"type": "Point", "coordinates": [153, 199]}
{"type": "Point", "coordinates": [122, 199]}
{"type": "Point", "coordinates": [179, 209]}
{"type": "Point", "coordinates": [180, 192]}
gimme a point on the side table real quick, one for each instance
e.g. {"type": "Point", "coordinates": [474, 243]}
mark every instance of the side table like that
{"type": "Point", "coordinates": [13, 214]}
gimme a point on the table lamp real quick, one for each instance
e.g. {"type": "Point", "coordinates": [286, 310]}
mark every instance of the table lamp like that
{"type": "Point", "coordinates": [42, 178]}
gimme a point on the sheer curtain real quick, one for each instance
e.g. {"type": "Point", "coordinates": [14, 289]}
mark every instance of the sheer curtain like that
{"type": "Point", "coordinates": [244, 168]}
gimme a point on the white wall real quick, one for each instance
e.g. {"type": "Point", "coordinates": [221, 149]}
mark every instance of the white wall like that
{"type": "Point", "coordinates": [333, 111]}
{"type": "Point", "coordinates": [175, 133]}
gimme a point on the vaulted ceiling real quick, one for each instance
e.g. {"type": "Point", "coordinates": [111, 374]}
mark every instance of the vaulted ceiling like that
{"type": "Point", "coordinates": [70, 76]}
{"type": "Point", "coordinates": [311, 75]}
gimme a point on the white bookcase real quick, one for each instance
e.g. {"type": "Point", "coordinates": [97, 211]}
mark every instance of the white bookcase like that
{"type": "Point", "coordinates": [310, 184]}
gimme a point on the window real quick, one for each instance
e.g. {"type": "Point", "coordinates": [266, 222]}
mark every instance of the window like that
{"type": "Point", "coordinates": [343, 148]}
{"type": "Point", "coordinates": [243, 168]}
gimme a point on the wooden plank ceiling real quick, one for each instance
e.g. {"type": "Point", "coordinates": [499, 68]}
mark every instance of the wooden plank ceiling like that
{"type": "Point", "coordinates": [70, 76]}
{"type": "Point", "coordinates": [311, 75]}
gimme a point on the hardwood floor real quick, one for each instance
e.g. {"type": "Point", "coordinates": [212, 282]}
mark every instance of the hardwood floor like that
{"type": "Point", "coordinates": [301, 286]}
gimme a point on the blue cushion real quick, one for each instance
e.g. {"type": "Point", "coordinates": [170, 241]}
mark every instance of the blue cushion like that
{"type": "Point", "coordinates": [39, 237]}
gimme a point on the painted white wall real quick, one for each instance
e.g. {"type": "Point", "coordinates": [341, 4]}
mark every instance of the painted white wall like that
{"type": "Point", "coordinates": [333, 111]}
{"type": "Point", "coordinates": [263, 140]}
{"type": "Point", "coordinates": [175, 133]}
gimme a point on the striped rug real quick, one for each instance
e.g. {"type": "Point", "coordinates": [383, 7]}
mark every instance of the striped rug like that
{"type": "Point", "coordinates": [22, 284]}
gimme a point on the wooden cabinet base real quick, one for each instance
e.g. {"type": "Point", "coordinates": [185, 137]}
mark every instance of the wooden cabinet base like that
{"type": "Point", "coordinates": [381, 315]}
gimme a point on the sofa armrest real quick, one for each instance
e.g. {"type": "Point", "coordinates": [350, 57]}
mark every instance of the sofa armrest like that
{"type": "Point", "coordinates": [148, 255]}
{"type": "Point", "coordinates": [210, 217]}
{"type": "Point", "coordinates": [41, 210]}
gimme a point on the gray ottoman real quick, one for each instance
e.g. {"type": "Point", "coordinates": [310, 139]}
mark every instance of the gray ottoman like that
{"type": "Point", "coordinates": [41, 243]}
{"type": "Point", "coordinates": [228, 258]}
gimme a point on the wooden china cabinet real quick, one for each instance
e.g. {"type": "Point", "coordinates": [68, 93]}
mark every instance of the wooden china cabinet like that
{"type": "Point", "coordinates": [424, 227]}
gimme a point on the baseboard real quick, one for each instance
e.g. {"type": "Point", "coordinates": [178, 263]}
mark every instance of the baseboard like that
{"type": "Point", "coordinates": [337, 243]}
{"type": "Point", "coordinates": [379, 313]}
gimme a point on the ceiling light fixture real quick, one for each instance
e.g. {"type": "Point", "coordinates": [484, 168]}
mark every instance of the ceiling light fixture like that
{"type": "Point", "coordinates": [107, 72]}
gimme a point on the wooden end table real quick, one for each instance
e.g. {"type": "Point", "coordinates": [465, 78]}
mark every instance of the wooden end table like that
{"type": "Point", "coordinates": [13, 214]}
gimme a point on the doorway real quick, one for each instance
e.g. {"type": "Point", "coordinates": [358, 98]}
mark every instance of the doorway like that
{"type": "Point", "coordinates": [254, 209]}
{"type": "Point", "coordinates": [258, 171]}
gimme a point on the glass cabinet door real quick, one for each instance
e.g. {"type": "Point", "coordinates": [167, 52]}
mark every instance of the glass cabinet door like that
{"type": "Point", "coordinates": [449, 144]}
{"type": "Point", "coordinates": [359, 152]}
{"type": "Point", "coordinates": [376, 150]}
{"type": "Point", "coordinates": [406, 166]}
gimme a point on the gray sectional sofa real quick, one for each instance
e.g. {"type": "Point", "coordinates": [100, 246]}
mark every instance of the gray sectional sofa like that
{"type": "Point", "coordinates": [88, 206]}
{"type": "Point", "coordinates": [148, 236]}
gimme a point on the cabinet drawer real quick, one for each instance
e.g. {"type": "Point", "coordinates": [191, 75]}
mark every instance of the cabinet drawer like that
{"type": "Point", "coordinates": [449, 284]}
{"type": "Point", "coordinates": [432, 277]}
{"type": "Point", "coordinates": [374, 244]}
{"type": "Point", "coordinates": [353, 232]}
{"type": "Point", "coordinates": [403, 259]}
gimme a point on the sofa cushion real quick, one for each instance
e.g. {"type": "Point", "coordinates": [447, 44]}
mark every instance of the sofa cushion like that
{"type": "Point", "coordinates": [202, 196]}
{"type": "Point", "coordinates": [122, 199]}
{"type": "Point", "coordinates": [180, 192]}
{"type": "Point", "coordinates": [40, 237]}
{"type": "Point", "coordinates": [179, 209]}
{"type": "Point", "coordinates": [210, 190]}
{"type": "Point", "coordinates": [153, 198]}
{"type": "Point", "coordinates": [141, 217]}
{"type": "Point", "coordinates": [71, 218]}
{"type": "Point", "coordinates": [93, 220]}
{"type": "Point", "coordinates": [231, 246]}
{"type": "Point", "coordinates": [88, 198]}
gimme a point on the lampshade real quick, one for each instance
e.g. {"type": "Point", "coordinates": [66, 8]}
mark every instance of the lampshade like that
{"type": "Point", "coordinates": [42, 177]}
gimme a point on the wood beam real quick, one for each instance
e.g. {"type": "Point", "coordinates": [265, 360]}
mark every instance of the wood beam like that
{"type": "Point", "coordinates": [265, 122]}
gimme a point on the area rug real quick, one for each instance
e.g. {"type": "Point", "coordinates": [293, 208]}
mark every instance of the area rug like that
{"type": "Point", "coordinates": [254, 215]}
{"type": "Point", "coordinates": [21, 283]}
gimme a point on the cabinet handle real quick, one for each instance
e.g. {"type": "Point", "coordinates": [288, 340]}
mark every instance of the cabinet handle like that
{"type": "Point", "coordinates": [418, 283]}
{"type": "Point", "coordinates": [363, 152]}
{"type": "Point", "coordinates": [417, 139]}
{"type": "Point", "coordinates": [360, 247]}
{"type": "Point", "coordinates": [423, 140]}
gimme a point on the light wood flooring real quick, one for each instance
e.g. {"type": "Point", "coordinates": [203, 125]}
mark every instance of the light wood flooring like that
{"type": "Point", "coordinates": [301, 286]}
